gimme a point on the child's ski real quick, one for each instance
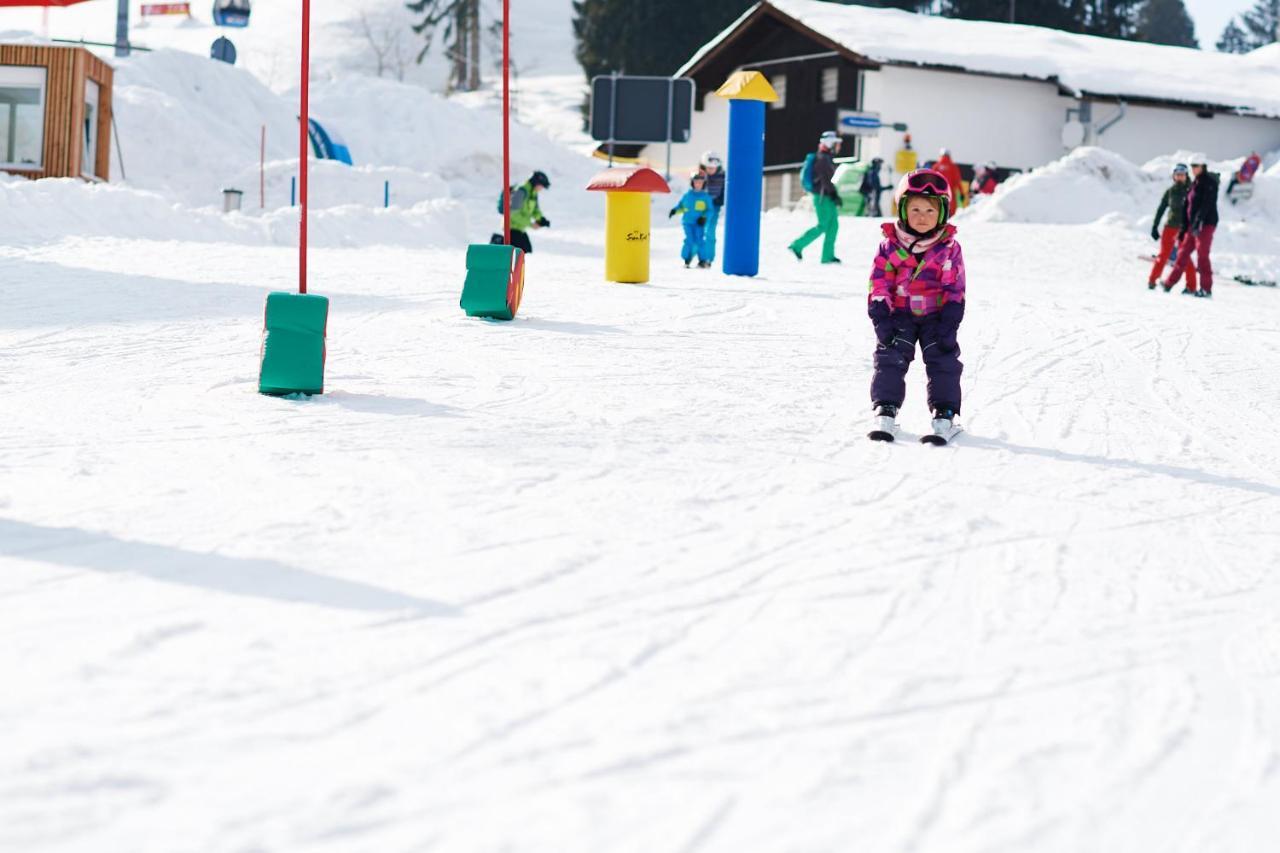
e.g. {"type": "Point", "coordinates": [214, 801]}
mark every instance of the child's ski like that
{"type": "Point", "coordinates": [885, 428]}
{"type": "Point", "coordinates": [941, 435]}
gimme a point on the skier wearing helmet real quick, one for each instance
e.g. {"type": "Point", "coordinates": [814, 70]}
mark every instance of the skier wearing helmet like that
{"type": "Point", "coordinates": [1199, 222]}
{"type": "Point", "coordinates": [525, 212]}
{"type": "Point", "coordinates": [826, 200]}
{"type": "Point", "coordinates": [917, 297]}
{"type": "Point", "coordinates": [1174, 199]}
{"type": "Point", "coordinates": [712, 168]}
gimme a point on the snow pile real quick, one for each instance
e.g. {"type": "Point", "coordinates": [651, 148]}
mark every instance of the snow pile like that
{"type": "Point", "coordinates": [34, 212]}
{"type": "Point", "coordinates": [189, 127]}
{"type": "Point", "coordinates": [1082, 187]}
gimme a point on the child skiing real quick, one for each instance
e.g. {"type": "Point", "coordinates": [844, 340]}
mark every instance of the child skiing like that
{"type": "Point", "coordinates": [1174, 198]}
{"type": "Point", "coordinates": [713, 168]}
{"type": "Point", "coordinates": [525, 212]}
{"type": "Point", "coordinates": [917, 296]}
{"type": "Point", "coordinates": [696, 205]}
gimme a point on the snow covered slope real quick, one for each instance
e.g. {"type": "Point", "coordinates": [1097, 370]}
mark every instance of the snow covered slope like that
{"type": "Point", "coordinates": [624, 574]}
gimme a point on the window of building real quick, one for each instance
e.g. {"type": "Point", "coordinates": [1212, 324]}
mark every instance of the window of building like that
{"type": "Point", "coordinates": [89, 153]}
{"type": "Point", "coordinates": [830, 85]}
{"type": "Point", "coordinates": [779, 84]}
{"type": "Point", "coordinates": [22, 116]}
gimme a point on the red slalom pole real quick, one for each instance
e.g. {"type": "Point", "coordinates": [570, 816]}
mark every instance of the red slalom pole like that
{"type": "Point", "coordinates": [506, 121]}
{"type": "Point", "coordinates": [303, 128]}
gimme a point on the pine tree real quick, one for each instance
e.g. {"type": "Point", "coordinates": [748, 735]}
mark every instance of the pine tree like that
{"type": "Point", "coordinates": [460, 20]}
{"type": "Point", "coordinates": [1113, 18]}
{"type": "Point", "coordinates": [1166, 22]}
{"type": "Point", "coordinates": [637, 36]}
{"type": "Point", "coordinates": [1261, 23]}
{"type": "Point", "coordinates": [1233, 39]}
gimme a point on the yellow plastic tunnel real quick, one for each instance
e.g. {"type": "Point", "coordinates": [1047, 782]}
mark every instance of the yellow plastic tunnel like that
{"type": "Point", "coordinates": [627, 220]}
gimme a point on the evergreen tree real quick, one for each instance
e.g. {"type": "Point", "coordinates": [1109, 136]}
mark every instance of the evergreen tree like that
{"type": "Point", "coordinates": [1233, 39]}
{"type": "Point", "coordinates": [1114, 18]}
{"type": "Point", "coordinates": [1166, 22]}
{"type": "Point", "coordinates": [611, 34]}
{"type": "Point", "coordinates": [1261, 22]}
{"type": "Point", "coordinates": [460, 20]}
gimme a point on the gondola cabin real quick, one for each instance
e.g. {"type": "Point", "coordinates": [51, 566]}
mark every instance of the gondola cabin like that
{"type": "Point", "coordinates": [231, 13]}
{"type": "Point", "coordinates": [55, 112]}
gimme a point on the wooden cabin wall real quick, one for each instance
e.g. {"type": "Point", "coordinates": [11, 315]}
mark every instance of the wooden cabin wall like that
{"type": "Point", "coordinates": [68, 68]}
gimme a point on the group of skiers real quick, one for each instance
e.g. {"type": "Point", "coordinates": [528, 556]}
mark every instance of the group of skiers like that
{"type": "Point", "coordinates": [700, 208]}
{"type": "Point", "coordinates": [1192, 218]}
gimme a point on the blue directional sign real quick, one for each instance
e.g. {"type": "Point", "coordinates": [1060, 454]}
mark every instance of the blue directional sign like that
{"type": "Point", "coordinates": [855, 123]}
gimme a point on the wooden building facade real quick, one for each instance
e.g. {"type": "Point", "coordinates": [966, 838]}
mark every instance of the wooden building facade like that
{"type": "Point", "coordinates": [55, 112]}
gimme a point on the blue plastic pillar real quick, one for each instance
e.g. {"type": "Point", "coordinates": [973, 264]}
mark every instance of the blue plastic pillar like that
{"type": "Point", "coordinates": [744, 180]}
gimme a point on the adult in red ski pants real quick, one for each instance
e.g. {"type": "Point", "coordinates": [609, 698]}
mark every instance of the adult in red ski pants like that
{"type": "Point", "coordinates": [1202, 245]}
{"type": "Point", "coordinates": [1168, 238]}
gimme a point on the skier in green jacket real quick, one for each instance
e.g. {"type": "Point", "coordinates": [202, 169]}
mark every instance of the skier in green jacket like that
{"type": "Point", "coordinates": [525, 213]}
{"type": "Point", "coordinates": [826, 200]}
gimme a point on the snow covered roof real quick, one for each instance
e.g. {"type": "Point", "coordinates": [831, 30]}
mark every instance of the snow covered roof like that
{"type": "Point", "coordinates": [1082, 65]}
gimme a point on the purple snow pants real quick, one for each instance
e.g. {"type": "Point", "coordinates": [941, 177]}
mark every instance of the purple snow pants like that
{"type": "Point", "coordinates": [943, 366]}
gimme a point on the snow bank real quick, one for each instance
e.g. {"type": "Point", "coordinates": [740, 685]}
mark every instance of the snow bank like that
{"type": "Point", "coordinates": [1096, 186]}
{"type": "Point", "coordinates": [1082, 187]}
{"type": "Point", "coordinates": [48, 210]}
{"type": "Point", "coordinates": [189, 127]}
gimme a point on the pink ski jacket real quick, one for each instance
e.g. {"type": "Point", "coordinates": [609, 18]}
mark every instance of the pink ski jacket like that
{"type": "Point", "coordinates": [921, 284]}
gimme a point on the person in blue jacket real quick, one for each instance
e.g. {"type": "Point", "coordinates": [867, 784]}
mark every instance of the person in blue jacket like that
{"type": "Point", "coordinates": [696, 206]}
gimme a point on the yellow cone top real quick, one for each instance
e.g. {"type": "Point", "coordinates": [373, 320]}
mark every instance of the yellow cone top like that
{"type": "Point", "coordinates": [747, 86]}
{"type": "Point", "coordinates": [629, 179]}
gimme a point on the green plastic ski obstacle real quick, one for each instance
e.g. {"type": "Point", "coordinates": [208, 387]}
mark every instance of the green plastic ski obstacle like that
{"type": "Point", "coordinates": [495, 281]}
{"type": "Point", "coordinates": [293, 339]}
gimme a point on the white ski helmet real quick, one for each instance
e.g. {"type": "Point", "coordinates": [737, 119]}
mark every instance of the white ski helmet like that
{"type": "Point", "coordinates": [1198, 159]}
{"type": "Point", "coordinates": [709, 158]}
{"type": "Point", "coordinates": [829, 140]}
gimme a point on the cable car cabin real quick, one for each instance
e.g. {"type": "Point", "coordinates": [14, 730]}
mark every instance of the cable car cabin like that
{"type": "Point", "coordinates": [55, 112]}
{"type": "Point", "coordinates": [231, 13]}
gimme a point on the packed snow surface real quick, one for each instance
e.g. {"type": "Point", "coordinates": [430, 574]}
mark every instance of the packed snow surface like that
{"type": "Point", "coordinates": [1081, 64]}
{"type": "Point", "coordinates": [624, 574]}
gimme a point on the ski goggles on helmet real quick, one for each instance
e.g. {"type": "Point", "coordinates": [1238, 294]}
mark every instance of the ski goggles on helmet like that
{"type": "Point", "coordinates": [927, 183]}
{"type": "Point", "coordinates": [1180, 169]}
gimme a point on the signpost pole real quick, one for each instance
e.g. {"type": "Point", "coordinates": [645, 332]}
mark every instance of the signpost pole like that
{"type": "Point", "coordinates": [613, 111]}
{"type": "Point", "coordinates": [122, 28]}
{"type": "Point", "coordinates": [303, 128]}
{"type": "Point", "coordinates": [671, 85]}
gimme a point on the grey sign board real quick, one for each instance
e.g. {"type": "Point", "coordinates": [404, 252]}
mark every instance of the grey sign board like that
{"type": "Point", "coordinates": [641, 109]}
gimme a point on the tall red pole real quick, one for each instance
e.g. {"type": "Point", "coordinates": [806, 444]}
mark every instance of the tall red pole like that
{"type": "Point", "coordinates": [303, 128]}
{"type": "Point", "coordinates": [506, 121]}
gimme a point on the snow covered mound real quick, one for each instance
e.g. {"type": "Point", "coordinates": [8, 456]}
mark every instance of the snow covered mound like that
{"type": "Point", "coordinates": [189, 127]}
{"type": "Point", "coordinates": [1082, 187]}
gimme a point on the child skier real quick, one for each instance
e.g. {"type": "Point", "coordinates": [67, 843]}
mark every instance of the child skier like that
{"type": "Point", "coordinates": [713, 168]}
{"type": "Point", "coordinates": [525, 212]}
{"type": "Point", "coordinates": [917, 296]}
{"type": "Point", "coordinates": [696, 205]}
{"type": "Point", "coordinates": [1174, 198]}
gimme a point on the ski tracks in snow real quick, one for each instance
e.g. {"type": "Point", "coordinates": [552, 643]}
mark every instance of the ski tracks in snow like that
{"type": "Point", "coordinates": [631, 577]}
